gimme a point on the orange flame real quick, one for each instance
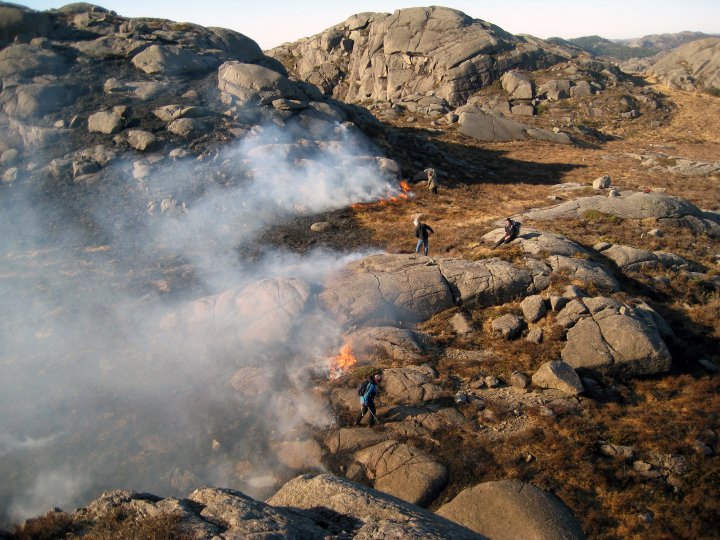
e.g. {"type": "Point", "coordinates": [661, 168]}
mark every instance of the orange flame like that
{"type": "Point", "coordinates": [405, 193]}
{"type": "Point", "coordinates": [343, 362]}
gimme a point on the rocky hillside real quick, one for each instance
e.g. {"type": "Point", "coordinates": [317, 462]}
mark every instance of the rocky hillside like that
{"type": "Point", "coordinates": [416, 51]}
{"type": "Point", "coordinates": [664, 42]}
{"type": "Point", "coordinates": [628, 51]}
{"type": "Point", "coordinates": [694, 66]}
{"type": "Point", "coordinates": [86, 92]}
{"type": "Point", "coordinates": [617, 51]}
{"type": "Point", "coordinates": [204, 252]}
{"type": "Point", "coordinates": [453, 69]}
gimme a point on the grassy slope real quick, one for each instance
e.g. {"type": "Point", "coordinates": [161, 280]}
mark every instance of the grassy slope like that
{"type": "Point", "coordinates": [664, 414]}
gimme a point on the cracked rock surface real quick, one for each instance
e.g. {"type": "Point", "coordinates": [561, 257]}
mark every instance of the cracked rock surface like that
{"type": "Point", "coordinates": [615, 338]}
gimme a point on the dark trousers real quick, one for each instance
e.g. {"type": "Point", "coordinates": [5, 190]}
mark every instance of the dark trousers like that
{"type": "Point", "coordinates": [371, 407]}
{"type": "Point", "coordinates": [506, 239]}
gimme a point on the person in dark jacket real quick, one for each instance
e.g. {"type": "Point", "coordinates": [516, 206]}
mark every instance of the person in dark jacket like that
{"type": "Point", "coordinates": [367, 399]}
{"type": "Point", "coordinates": [421, 233]}
{"type": "Point", "coordinates": [512, 229]}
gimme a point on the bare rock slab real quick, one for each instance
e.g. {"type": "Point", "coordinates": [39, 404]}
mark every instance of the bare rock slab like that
{"type": "Point", "coordinates": [246, 517]}
{"type": "Point", "coordinates": [587, 271]}
{"type": "Point", "coordinates": [640, 205]}
{"type": "Point", "coordinates": [410, 385]}
{"type": "Point", "coordinates": [558, 376]}
{"type": "Point", "coordinates": [379, 515]}
{"type": "Point", "coordinates": [105, 122]}
{"type": "Point", "coordinates": [386, 289]}
{"type": "Point", "coordinates": [403, 471]}
{"type": "Point", "coordinates": [261, 312]}
{"type": "Point", "coordinates": [508, 510]}
{"type": "Point", "coordinates": [172, 60]}
{"type": "Point", "coordinates": [487, 282]}
{"type": "Point", "coordinates": [353, 439]}
{"type": "Point", "coordinates": [400, 344]}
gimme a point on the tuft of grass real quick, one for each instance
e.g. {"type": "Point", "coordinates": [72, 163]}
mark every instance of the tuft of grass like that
{"type": "Point", "coordinates": [120, 525]}
{"type": "Point", "coordinates": [596, 216]}
{"type": "Point", "coordinates": [48, 527]}
{"type": "Point", "coordinates": [667, 161]}
{"type": "Point", "coordinates": [362, 373]}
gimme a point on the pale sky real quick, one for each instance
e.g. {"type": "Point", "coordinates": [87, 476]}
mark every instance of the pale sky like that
{"type": "Point", "coordinates": [272, 22]}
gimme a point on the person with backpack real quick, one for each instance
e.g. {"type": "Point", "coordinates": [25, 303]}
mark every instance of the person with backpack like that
{"type": "Point", "coordinates": [368, 391]}
{"type": "Point", "coordinates": [421, 233]}
{"type": "Point", "coordinates": [512, 229]}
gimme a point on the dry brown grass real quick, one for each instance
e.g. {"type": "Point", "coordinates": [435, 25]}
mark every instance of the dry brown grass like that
{"type": "Point", "coordinates": [662, 415]}
{"type": "Point", "coordinates": [48, 527]}
{"type": "Point", "coordinates": [694, 120]}
{"type": "Point", "coordinates": [116, 525]}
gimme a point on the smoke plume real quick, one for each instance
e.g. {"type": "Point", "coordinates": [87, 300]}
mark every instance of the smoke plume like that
{"type": "Point", "coordinates": [111, 377]}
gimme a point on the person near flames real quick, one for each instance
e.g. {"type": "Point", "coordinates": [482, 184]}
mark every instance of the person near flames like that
{"type": "Point", "coordinates": [432, 183]}
{"type": "Point", "coordinates": [421, 233]}
{"type": "Point", "coordinates": [368, 391]}
{"type": "Point", "coordinates": [512, 229]}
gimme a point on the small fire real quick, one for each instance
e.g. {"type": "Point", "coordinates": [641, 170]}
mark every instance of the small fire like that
{"type": "Point", "coordinates": [404, 193]}
{"type": "Point", "coordinates": [343, 362]}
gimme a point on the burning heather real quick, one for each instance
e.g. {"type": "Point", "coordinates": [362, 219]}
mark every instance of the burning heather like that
{"type": "Point", "coordinates": [342, 363]}
{"type": "Point", "coordinates": [404, 192]}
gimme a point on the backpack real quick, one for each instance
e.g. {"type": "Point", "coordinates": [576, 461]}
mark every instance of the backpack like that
{"type": "Point", "coordinates": [362, 388]}
{"type": "Point", "coordinates": [516, 227]}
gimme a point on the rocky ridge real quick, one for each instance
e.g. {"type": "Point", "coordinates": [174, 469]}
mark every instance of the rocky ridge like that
{"type": "Point", "coordinates": [414, 51]}
{"type": "Point", "coordinates": [693, 66]}
{"type": "Point", "coordinates": [98, 96]}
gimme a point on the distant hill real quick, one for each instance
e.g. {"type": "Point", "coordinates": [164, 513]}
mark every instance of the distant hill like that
{"type": "Point", "coordinates": [600, 46]}
{"type": "Point", "coordinates": [626, 49]}
{"type": "Point", "coordinates": [664, 42]}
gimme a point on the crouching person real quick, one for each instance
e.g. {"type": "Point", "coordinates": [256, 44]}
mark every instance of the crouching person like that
{"type": "Point", "coordinates": [512, 229]}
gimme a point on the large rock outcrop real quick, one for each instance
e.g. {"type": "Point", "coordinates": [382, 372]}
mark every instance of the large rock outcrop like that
{"type": "Point", "coordinates": [412, 52]}
{"type": "Point", "coordinates": [612, 337]}
{"type": "Point", "coordinates": [666, 209]}
{"type": "Point", "coordinates": [695, 65]}
{"type": "Point", "coordinates": [403, 471]}
{"type": "Point", "coordinates": [21, 23]}
{"type": "Point", "coordinates": [308, 507]}
{"type": "Point", "coordinates": [508, 510]}
{"type": "Point", "coordinates": [375, 514]}
{"type": "Point", "coordinates": [172, 60]}
{"type": "Point", "coordinates": [478, 124]}
{"type": "Point", "coordinates": [390, 288]}
{"type": "Point", "coordinates": [385, 289]}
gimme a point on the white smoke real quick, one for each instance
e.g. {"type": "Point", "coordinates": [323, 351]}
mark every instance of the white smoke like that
{"type": "Point", "coordinates": [91, 379]}
{"type": "Point", "coordinates": [46, 490]}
